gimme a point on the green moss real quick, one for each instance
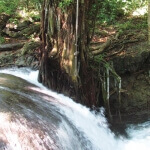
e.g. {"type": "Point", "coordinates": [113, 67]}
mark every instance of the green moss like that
{"type": "Point", "coordinates": [29, 47]}
{"type": "Point", "coordinates": [8, 7]}
{"type": "Point", "coordinates": [2, 39]}
{"type": "Point", "coordinates": [64, 4]}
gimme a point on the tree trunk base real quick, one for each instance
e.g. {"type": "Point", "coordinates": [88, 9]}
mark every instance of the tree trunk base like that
{"type": "Point", "coordinates": [54, 77]}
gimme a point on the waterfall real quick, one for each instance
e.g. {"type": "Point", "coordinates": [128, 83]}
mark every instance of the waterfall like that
{"type": "Point", "coordinates": [41, 119]}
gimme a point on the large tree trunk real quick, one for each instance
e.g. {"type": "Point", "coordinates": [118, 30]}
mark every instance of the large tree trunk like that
{"type": "Point", "coordinates": [64, 65]}
{"type": "Point", "coordinates": [149, 22]}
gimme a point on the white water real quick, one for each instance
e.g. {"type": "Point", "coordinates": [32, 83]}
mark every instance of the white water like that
{"type": "Point", "coordinates": [93, 127]}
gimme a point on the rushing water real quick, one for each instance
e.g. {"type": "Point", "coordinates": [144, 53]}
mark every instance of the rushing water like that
{"type": "Point", "coordinates": [35, 118]}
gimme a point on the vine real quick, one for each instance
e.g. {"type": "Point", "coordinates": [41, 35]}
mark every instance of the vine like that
{"type": "Point", "coordinates": [107, 75]}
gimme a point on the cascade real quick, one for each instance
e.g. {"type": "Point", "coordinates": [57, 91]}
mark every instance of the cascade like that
{"type": "Point", "coordinates": [33, 117]}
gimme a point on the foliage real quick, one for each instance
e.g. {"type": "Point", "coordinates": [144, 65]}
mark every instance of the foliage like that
{"type": "Point", "coordinates": [10, 6]}
{"type": "Point", "coordinates": [110, 10]}
{"type": "Point", "coordinates": [13, 20]}
{"type": "Point", "coordinates": [99, 58]}
{"type": "Point", "coordinates": [35, 16]}
{"type": "Point", "coordinates": [134, 23]}
{"type": "Point", "coordinates": [2, 39]}
{"type": "Point", "coordinates": [7, 6]}
{"type": "Point", "coordinates": [36, 4]}
{"type": "Point", "coordinates": [131, 5]}
{"type": "Point", "coordinates": [64, 4]}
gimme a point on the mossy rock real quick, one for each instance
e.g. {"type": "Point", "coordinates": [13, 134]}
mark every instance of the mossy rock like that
{"type": "Point", "coordinates": [25, 33]}
{"type": "Point", "coordinates": [23, 25]}
{"type": "Point", "coordinates": [29, 47]}
{"type": "Point", "coordinates": [32, 29]}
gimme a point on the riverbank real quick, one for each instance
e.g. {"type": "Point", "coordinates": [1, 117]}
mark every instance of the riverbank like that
{"type": "Point", "coordinates": [134, 69]}
{"type": "Point", "coordinates": [19, 41]}
{"type": "Point", "coordinates": [27, 56]}
{"type": "Point", "coordinates": [128, 51]}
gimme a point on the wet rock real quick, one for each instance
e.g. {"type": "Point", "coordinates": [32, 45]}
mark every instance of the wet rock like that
{"type": "Point", "coordinates": [29, 60]}
{"type": "Point", "coordinates": [6, 58]}
{"type": "Point", "coordinates": [135, 97]}
{"type": "Point", "coordinates": [21, 62]}
{"type": "Point", "coordinates": [25, 57]}
{"type": "Point", "coordinates": [35, 65]}
{"type": "Point", "coordinates": [133, 67]}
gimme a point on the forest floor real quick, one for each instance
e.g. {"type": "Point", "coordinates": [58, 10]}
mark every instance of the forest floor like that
{"type": "Point", "coordinates": [124, 34]}
{"type": "Point", "coordinates": [130, 54]}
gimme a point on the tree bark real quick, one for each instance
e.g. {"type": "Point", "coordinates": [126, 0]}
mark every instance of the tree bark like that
{"type": "Point", "coordinates": [149, 22]}
{"type": "Point", "coordinates": [64, 64]}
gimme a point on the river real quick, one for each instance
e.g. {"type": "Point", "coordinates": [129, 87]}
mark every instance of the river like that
{"type": "Point", "coordinates": [35, 118]}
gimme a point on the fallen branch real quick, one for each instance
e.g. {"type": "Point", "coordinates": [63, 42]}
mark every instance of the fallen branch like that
{"type": "Point", "coordinates": [13, 46]}
{"type": "Point", "coordinates": [115, 53]}
{"type": "Point", "coordinates": [130, 41]}
{"type": "Point", "coordinates": [121, 42]}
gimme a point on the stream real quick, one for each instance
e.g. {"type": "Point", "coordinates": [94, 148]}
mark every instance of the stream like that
{"type": "Point", "coordinates": [35, 118]}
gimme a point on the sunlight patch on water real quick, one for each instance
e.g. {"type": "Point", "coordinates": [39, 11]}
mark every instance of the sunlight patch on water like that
{"type": "Point", "coordinates": [4, 117]}
{"type": "Point", "coordinates": [18, 135]}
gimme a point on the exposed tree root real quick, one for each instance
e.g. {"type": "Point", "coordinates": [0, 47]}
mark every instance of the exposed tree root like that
{"type": "Point", "coordinates": [101, 48]}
